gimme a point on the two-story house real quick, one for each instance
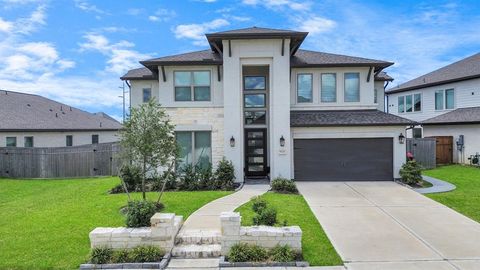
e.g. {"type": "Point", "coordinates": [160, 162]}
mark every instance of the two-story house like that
{"type": "Point", "coordinates": [446, 103]}
{"type": "Point", "coordinates": [274, 109]}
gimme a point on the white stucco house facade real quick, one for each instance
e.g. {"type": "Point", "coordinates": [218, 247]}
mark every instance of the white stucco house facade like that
{"type": "Point", "coordinates": [444, 103]}
{"type": "Point", "coordinates": [274, 110]}
{"type": "Point", "coordinates": [35, 121]}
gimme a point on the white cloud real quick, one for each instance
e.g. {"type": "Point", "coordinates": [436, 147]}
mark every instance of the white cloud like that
{"type": "Point", "coordinates": [196, 32]}
{"type": "Point", "coordinates": [120, 55]}
{"type": "Point", "coordinates": [5, 26]}
{"type": "Point", "coordinates": [153, 18]}
{"type": "Point", "coordinates": [135, 11]}
{"type": "Point", "coordinates": [207, 1]}
{"type": "Point", "coordinates": [162, 15]}
{"type": "Point", "coordinates": [278, 4]}
{"type": "Point", "coordinates": [87, 7]}
{"type": "Point", "coordinates": [316, 25]}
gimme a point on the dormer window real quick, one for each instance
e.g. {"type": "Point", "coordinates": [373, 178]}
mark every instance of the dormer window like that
{"type": "Point", "coordinates": [192, 85]}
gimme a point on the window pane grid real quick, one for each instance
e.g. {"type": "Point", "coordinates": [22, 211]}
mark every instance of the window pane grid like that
{"type": "Point", "coordinates": [192, 85]}
{"type": "Point", "coordinates": [439, 100]}
{"type": "Point", "coordinates": [401, 103]}
{"type": "Point", "coordinates": [352, 87]}
{"type": "Point", "coordinates": [304, 88]}
{"type": "Point", "coordinates": [195, 149]}
{"type": "Point", "coordinates": [328, 90]}
{"type": "Point", "coordinates": [449, 99]}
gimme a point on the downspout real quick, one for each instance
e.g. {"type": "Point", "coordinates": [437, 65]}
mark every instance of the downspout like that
{"type": "Point", "coordinates": [129, 95]}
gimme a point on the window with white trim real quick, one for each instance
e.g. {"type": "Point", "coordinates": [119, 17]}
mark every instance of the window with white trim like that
{"type": "Point", "coordinates": [445, 99]}
{"type": "Point", "coordinates": [192, 85]}
{"type": "Point", "coordinates": [11, 142]}
{"type": "Point", "coordinates": [352, 87]}
{"type": "Point", "coordinates": [410, 103]}
{"type": "Point", "coordinates": [195, 149]}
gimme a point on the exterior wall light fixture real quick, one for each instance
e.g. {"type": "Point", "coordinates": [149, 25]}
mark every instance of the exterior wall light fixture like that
{"type": "Point", "coordinates": [232, 142]}
{"type": "Point", "coordinates": [401, 138]}
{"type": "Point", "coordinates": [282, 141]}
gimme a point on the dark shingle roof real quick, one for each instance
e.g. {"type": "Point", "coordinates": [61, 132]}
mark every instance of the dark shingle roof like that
{"type": "Point", "coordinates": [383, 76]}
{"type": "Point", "coordinates": [204, 57]}
{"type": "Point", "coordinates": [468, 68]}
{"type": "Point", "coordinates": [304, 58]}
{"type": "Point", "coordinates": [456, 117]}
{"type": "Point", "coordinates": [256, 30]}
{"type": "Point", "coordinates": [139, 74]}
{"type": "Point", "coordinates": [26, 112]}
{"type": "Point", "coordinates": [346, 118]}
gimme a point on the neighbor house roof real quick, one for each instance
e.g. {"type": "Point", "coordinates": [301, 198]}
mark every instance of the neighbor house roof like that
{"type": "Point", "coordinates": [346, 118]}
{"type": "Point", "coordinates": [465, 69]}
{"type": "Point", "coordinates": [456, 117]}
{"type": "Point", "coordinates": [27, 112]}
{"type": "Point", "coordinates": [299, 58]}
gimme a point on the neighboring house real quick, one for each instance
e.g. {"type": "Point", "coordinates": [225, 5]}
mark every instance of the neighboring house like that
{"type": "Point", "coordinates": [275, 110]}
{"type": "Point", "coordinates": [34, 121]}
{"type": "Point", "coordinates": [446, 102]}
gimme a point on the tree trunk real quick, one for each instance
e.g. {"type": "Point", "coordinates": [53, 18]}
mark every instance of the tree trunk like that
{"type": "Point", "coordinates": [165, 182]}
{"type": "Point", "coordinates": [143, 178]}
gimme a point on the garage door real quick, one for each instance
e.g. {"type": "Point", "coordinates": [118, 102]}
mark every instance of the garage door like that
{"type": "Point", "coordinates": [369, 159]}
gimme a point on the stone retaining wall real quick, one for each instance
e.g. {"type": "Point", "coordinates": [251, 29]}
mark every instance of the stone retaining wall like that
{"type": "Point", "coordinates": [265, 236]}
{"type": "Point", "coordinates": [164, 228]}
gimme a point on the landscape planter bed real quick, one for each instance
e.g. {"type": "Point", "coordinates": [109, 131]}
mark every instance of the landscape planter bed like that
{"type": "Point", "coordinates": [225, 263]}
{"type": "Point", "coordinates": [147, 265]}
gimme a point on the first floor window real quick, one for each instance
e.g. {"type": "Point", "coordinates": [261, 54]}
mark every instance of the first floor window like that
{"type": "Point", "coordinates": [352, 87]}
{"type": "Point", "coordinates": [417, 133]}
{"type": "Point", "coordinates": [69, 140]}
{"type": "Point", "coordinates": [192, 85]}
{"type": "Point", "coordinates": [304, 88]}
{"type": "Point", "coordinates": [147, 94]}
{"type": "Point", "coordinates": [401, 104]}
{"type": "Point", "coordinates": [11, 142]}
{"type": "Point", "coordinates": [28, 141]}
{"type": "Point", "coordinates": [195, 149]}
{"type": "Point", "coordinates": [94, 138]}
{"type": "Point", "coordinates": [328, 88]}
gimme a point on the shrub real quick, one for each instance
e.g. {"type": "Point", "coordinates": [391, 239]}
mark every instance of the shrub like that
{"type": "Point", "coordinates": [224, 175]}
{"type": "Point", "coordinates": [267, 216]}
{"type": "Point", "coordinates": [132, 177]}
{"type": "Point", "coordinates": [117, 189]}
{"type": "Point", "coordinates": [282, 254]}
{"type": "Point", "coordinates": [100, 255]}
{"type": "Point", "coordinates": [139, 213]}
{"type": "Point", "coordinates": [121, 256]}
{"type": "Point", "coordinates": [411, 173]}
{"type": "Point", "coordinates": [205, 178]}
{"type": "Point", "coordinates": [146, 254]}
{"type": "Point", "coordinates": [188, 178]}
{"type": "Point", "coordinates": [283, 185]}
{"type": "Point", "coordinates": [247, 253]}
{"type": "Point", "coordinates": [259, 204]}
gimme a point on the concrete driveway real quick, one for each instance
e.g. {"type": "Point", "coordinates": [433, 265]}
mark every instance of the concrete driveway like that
{"type": "Point", "coordinates": [382, 225]}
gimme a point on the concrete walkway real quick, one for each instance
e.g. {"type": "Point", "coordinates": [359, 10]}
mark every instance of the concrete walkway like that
{"type": "Point", "coordinates": [208, 216]}
{"type": "Point", "coordinates": [382, 225]}
{"type": "Point", "coordinates": [438, 186]}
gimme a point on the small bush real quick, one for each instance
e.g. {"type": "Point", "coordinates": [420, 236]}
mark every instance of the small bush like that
{"type": "Point", "coordinates": [139, 213]}
{"type": "Point", "coordinates": [146, 254]}
{"type": "Point", "coordinates": [188, 178]}
{"type": "Point", "coordinates": [101, 255]}
{"type": "Point", "coordinates": [205, 178]}
{"type": "Point", "coordinates": [121, 256]}
{"type": "Point", "coordinates": [411, 173]}
{"type": "Point", "coordinates": [283, 185]}
{"type": "Point", "coordinates": [224, 175]}
{"type": "Point", "coordinates": [259, 204]}
{"type": "Point", "coordinates": [132, 177]}
{"type": "Point", "coordinates": [267, 216]}
{"type": "Point", "coordinates": [117, 189]}
{"type": "Point", "coordinates": [282, 254]}
{"type": "Point", "coordinates": [247, 253]}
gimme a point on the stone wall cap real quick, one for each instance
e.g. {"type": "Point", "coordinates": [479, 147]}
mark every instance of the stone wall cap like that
{"type": "Point", "coordinates": [162, 217]}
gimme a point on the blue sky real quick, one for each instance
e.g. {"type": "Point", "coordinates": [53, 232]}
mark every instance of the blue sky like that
{"type": "Point", "coordinates": [74, 51]}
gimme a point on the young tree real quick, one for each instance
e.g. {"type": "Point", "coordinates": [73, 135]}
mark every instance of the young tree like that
{"type": "Point", "coordinates": [148, 139]}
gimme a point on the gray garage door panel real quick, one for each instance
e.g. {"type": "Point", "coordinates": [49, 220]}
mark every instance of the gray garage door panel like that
{"type": "Point", "coordinates": [369, 159]}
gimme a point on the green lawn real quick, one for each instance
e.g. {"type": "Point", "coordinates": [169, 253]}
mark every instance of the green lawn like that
{"type": "Point", "coordinates": [316, 247]}
{"type": "Point", "coordinates": [44, 224]}
{"type": "Point", "coordinates": [466, 197]}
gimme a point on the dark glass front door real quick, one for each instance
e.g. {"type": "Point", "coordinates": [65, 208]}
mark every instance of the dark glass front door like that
{"type": "Point", "coordinates": [256, 152]}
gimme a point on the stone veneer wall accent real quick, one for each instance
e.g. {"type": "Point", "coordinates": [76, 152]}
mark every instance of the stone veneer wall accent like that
{"type": "Point", "coordinates": [164, 228]}
{"type": "Point", "coordinates": [212, 117]}
{"type": "Point", "coordinates": [265, 236]}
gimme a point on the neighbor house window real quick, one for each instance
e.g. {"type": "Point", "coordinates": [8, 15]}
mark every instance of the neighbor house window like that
{"type": "Point", "coordinates": [69, 140]}
{"type": "Point", "coordinates": [410, 103]}
{"type": "Point", "coordinates": [11, 142]}
{"type": "Point", "coordinates": [352, 87]}
{"type": "Point", "coordinates": [304, 88]}
{"type": "Point", "coordinates": [444, 99]}
{"type": "Point", "coordinates": [28, 141]}
{"type": "Point", "coordinates": [417, 133]}
{"type": "Point", "coordinates": [147, 94]}
{"type": "Point", "coordinates": [328, 88]}
{"type": "Point", "coordinates": [192, 85]}
{"type": "Point", "coordinates": [195, 149]}
{"type": "Point", "coordinates": [94, 138]}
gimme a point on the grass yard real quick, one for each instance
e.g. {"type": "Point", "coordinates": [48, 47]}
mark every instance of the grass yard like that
{"type": "Point", "coordinates": [466, 197]}
{"type": "Point", "coordinates": [316, 247]}
{"type": "Point", "coordinates": [44, 224]}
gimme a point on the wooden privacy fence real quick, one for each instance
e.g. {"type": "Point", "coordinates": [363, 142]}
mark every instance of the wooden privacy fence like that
{"type": "Point", "coordinates": [424, 151]}
{"type": "Point", "coordinates": [53, 162]}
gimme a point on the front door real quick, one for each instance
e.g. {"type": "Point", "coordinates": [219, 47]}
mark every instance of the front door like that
{"type": "Point", "coordinates": [256, 152]}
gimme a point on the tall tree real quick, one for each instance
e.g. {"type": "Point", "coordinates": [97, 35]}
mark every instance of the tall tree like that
{"type": "Point", "coordinates": [148, 139]}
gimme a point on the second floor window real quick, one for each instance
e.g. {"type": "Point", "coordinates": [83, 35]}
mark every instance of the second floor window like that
{"type": "Point", "coordinates": [410, 103]}
{"type": "Point", "coordinates": [147, 94]}
{"type": "Point", "coordinates": [304, 88]}
{"type": "Point", "coordinates": [328, 89]}
{"type": "Point", "coordinates": [192, 85]}
{"type": "Point", "coordinates": [444, 99]}
{"type": "Point", "coordinates": [94, 138]}
{"type": "Point", "coordinates": [375, 96]}
{"type": "Point", "coordinates": [352, 87]}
